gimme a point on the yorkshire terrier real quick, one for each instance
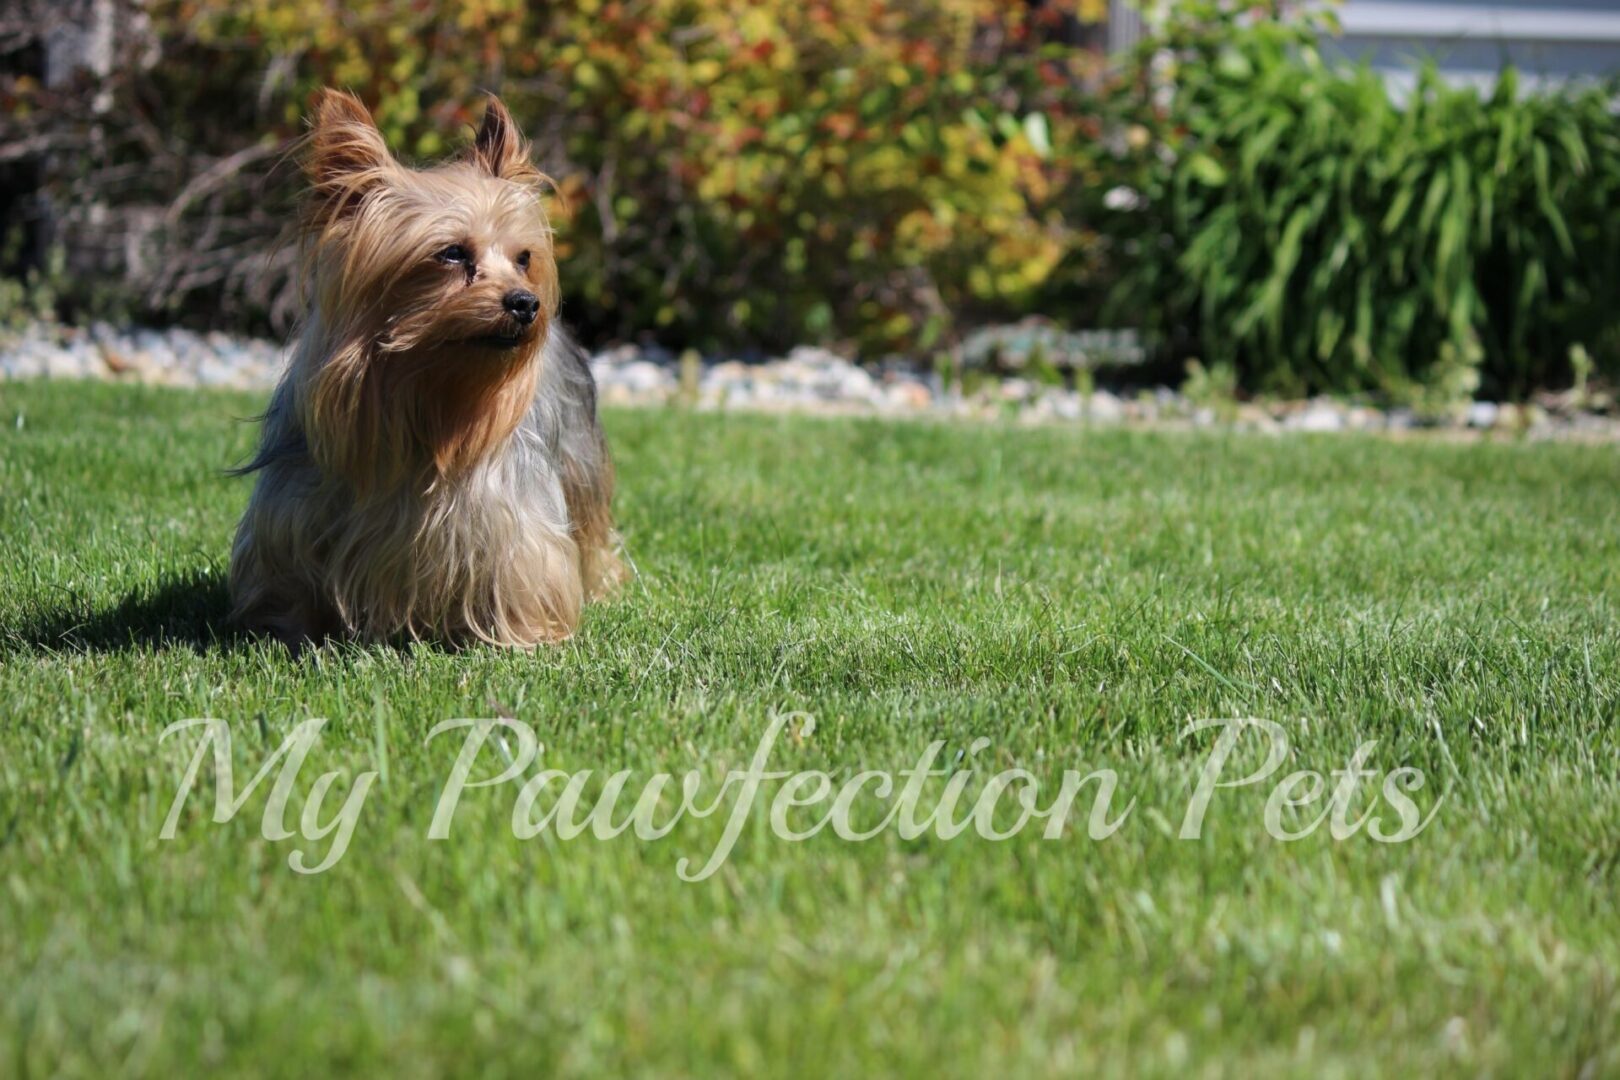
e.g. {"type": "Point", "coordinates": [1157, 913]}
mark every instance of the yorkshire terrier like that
{"type": "Point", "coordinates": [431, 464]}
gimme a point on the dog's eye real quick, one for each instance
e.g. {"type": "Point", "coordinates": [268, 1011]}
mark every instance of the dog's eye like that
{"type": "Point", "coordinates": [455, 253]}
{"type": "Point", "coordinates": [523, 260]}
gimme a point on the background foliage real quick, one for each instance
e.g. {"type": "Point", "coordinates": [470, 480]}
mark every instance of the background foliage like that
{"type": "Point", "coordinates": [886, 174]}
{"type": "Point", "coordinates": [727, 174]}
{"type": "Point", "coordinates": [1296, 221]}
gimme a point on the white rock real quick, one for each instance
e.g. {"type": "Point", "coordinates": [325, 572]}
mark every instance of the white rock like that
{"type": "Point", "coordinates": [1104, 408]}
{"type": "Point", "coordinates": [23, 363]}
{"type": "Point", "coordinates": [1317, 417]}
{"type": "Point", "coordinates": [735, 396]}
{"type": "Point", "coordinates": [1365, 419]}
{"type": "Point", "coordinates": [1016, 389]}
{"type": "Point", "coordinates": [214, 371]}
{"type": "Point", "coordinates": [815, 356]}
{"type": "Point", "coordinates": [643, 377]}
{"type": "Point", "coordinates": [908, 395]}
{"type": "Point", "coordinates": [854, 384]}
{"type": "Point", "coordinates": [1065, 404]}
{"type": "Point", "coordinates": [64, 364]}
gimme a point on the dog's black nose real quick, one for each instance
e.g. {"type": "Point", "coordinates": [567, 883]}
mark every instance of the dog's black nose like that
{"type": "Point", "coordinates": [523, 305]}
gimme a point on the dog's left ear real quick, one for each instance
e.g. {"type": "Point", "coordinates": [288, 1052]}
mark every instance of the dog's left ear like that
{"type": "Point", "coordinates": [499, 148]}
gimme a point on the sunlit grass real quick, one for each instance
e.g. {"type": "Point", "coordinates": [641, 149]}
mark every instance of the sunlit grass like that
{"type": "Point", "coordinates": [1075, 597]}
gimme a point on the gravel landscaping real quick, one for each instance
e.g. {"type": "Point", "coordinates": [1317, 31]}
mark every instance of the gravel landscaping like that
{"type": "Point", "coordinates": [809, 379]}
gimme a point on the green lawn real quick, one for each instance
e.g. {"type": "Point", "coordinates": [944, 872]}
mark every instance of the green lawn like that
{"type": "Point", "coordinates": [1074, 597]}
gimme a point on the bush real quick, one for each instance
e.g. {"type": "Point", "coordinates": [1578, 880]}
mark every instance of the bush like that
{"type": "Point", "coordinates": [1296, 221]}
{"type": "Point", "coordinates": [886, 173]}
{"type": "Point", "coordinates": [728, 175]}
{"type": "Point", "coordinates": [780, 171]}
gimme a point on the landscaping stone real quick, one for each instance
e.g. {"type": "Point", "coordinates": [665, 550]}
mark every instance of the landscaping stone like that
{"type": "Point", "coordinates": [808, 379]}
{"type": "Point", "coordinates": [1317, 416]}
{"type": "Point", "coordinates": [1103, 407]}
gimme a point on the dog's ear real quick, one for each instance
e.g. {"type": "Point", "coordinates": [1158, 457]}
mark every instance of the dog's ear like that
{"type": "Point", "coordinates": [499, 148]}
{"type": "Point", "coordinates": [346, 155]}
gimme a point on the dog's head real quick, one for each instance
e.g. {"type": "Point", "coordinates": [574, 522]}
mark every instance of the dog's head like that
{"type": "Point", "coordinates": [434, 290]}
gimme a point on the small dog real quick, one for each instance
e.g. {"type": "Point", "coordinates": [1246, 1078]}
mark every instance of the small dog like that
{"type": "Point", "coordinates": [431, 465]}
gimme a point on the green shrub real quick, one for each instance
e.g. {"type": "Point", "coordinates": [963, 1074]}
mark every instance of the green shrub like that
{"type": "Point", "coordinates": [892, 173]}
{"type": "Point", "coordinates": [1298, 222]}
{"type": "Point", "coordinates": [728, 175]}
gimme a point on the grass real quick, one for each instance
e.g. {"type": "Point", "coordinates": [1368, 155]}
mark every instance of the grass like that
{"type": "Point", "coordinates": [1075, 597]}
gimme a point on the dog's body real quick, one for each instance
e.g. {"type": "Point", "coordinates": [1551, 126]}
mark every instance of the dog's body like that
{"type": "Point", "coordinates": [431, 463]}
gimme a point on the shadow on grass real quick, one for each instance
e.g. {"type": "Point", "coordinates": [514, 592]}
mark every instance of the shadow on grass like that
{"type": "Point", "coordinates": [190, 611]}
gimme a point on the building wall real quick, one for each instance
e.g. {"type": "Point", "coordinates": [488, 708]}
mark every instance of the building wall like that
{"type": "Point", "coordinates": [1552, 40]}
{"type": "Point", "coordinates": [1124, 25]}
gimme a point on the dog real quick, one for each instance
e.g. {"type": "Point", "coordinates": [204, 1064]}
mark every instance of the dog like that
{"type": "Point", "coordinates": [431, 465]}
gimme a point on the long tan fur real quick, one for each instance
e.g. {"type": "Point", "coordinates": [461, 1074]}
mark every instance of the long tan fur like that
{"type": "Point", "coordinates": [430, 466]}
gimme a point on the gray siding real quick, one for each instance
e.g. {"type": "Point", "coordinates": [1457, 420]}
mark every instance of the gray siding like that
{"type": "Point", "coordinates": [1124, 25]}
{"type": "Point", "coordinates": [1549, 40]}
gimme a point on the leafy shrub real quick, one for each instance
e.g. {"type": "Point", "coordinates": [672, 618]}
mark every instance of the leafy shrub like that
{"type": "Point", "coordinates": [780, 170]}
{"type": "Point", "coordinates": [727, 174]}
{"type": "Point", "coordinates": [1295, 220]}
{"type": "Point", "coordinates": [889, 173]}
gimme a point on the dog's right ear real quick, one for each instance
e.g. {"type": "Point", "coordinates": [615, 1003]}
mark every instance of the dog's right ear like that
{"type": "Point", "coordinates": [499, 148]}
{"type": "Point", "coordinates": [346, 155]}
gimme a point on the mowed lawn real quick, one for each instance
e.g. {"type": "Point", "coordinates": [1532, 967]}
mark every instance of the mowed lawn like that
{"type": "Point", "coordinates": [1075, 597]}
